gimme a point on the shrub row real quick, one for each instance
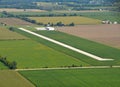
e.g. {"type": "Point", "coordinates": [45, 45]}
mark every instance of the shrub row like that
{"type": "Point", "coordinates": [10, 65]}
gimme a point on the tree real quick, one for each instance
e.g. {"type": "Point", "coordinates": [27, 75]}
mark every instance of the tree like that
{"type": "Point", "coordinates": [72, 24]}
{"type": "Point", "coordinates": [11, 29]}
{"type": "Point", "coordinates": [59, 24]}
{"type": "Point", "coordinates": [13, 65]}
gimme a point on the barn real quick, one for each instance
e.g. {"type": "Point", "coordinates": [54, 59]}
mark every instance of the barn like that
{"type": "Point", "coordinates": [50, 28]}
{"type": "Point", "coordinates": [45, 28]}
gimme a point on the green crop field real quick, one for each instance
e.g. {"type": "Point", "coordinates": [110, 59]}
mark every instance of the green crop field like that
{"type": "Point", "coordinates": [13, 79]}
{"type": "Point", "coordinates": [86, 45]}
{"type": "Point", "coordinates": [66, 20]}
{"type": "Point", "coordinates": [74, 77]}
{"type": "Point", "coordinates": [6, 34]}
{"type": "Point", "coordinates": [30, 54]}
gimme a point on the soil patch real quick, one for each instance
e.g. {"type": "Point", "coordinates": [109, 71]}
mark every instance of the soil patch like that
{"type": "Point", "coordinates": [107, 34]}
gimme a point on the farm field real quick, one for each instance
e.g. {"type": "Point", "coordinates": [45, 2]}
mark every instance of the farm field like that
{"type": "Point", "coordinates": [19, 10]}
{"type": "Point", "coordinates": [74, 77]}
{"type": "Point", "coordinates": [100, 15]}
{"type": "Point", "coordinates": [66, 20]}
{"type": "Point", "coordinates": [29, 13]}
{"type": "Point", "coordinates": [13, 79]}
{"type": "Point", "coordinates": [6, 34]}
{"type": "Point", "coordinates": [74, 54]}
{"type": "Point", "coordinates": [100, 50]}
{"type": "Point", "coordinates": [30, 54]}
{"type": "Point", "coordinates": [105, 34]}
{"type": "Point", "coordinates": [14, 22]}
{"type": "Point", "coordinates": [112, 16]}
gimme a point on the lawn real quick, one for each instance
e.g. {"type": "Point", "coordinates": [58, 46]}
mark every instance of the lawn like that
{"type": "Point", "coordinates": [6, 34]}
{"type": "Point", "coordinates": [74, 77]}
{"type": "Point", "coordinates": [30, 54]}
{"type": "Point", "coordinates": [101, 50]}
{"type": "Point", "coordinates": [66, 20]}
{"type": "Point", "coordinates": [13, 79]}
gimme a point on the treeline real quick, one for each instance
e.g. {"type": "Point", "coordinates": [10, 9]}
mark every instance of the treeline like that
{"type": "Point", "coordinates": [10, 65]}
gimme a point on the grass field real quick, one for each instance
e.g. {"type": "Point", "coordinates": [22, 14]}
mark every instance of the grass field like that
{"type": "Point", "coordinates": [101, 50]}
{"type": "Point", "coordinates": [13, 79]}
{"type": "Point", "coordinates": [2, 66]}
{"type": "Point", "coordinates": [66, 20]}
{"type": "Point", "coordinates": [74, 78]}
{"type": "Point", "coordinates": [6, 34]}
{"type": "Point", "coordinates": [30, 54]}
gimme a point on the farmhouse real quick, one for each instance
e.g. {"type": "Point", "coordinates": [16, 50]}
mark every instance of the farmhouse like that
{"type": "Point", "coordinates": [45, 28]}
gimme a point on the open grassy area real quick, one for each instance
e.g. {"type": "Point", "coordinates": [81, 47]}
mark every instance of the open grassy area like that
{"type": "Point", "coordinates": [6, 34]}
{"type": "Point", "coordinates": [74, 77]}
{"type": "Point", "coordinates": [86, 45]}
{"type": "Point", "coordinates": [2, 66]}
{"type": "Point", "coordinates": [66, 20]}
{"type": "Point", "coordinates": [13, 79]}
{"type": "Point", "coordinates": [30, 54]}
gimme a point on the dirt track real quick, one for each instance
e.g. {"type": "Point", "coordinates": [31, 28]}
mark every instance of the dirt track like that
{"type": "Point", "coordinates": [106, 34]}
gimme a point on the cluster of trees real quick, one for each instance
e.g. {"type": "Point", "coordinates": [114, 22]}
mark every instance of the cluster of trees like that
{"type": "Point", "coordinates": [10, 65]}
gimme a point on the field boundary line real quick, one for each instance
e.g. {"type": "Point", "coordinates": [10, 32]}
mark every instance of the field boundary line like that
{"type": "Point", "coordinates": [66, 46]}
{"type": "Point", "coordinates": [65, 68]}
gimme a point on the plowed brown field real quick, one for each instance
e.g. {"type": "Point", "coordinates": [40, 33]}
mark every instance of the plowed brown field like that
{"type": "Point", "coordinates": [106, 34]}
{"type": "Point", "coordinates": [14, 21]}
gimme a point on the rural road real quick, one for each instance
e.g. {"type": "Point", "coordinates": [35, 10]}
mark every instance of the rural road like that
{"type": "Point", "coordinates": [67, 46]}
{"type": "Point", "coordinates": [62, 68]}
